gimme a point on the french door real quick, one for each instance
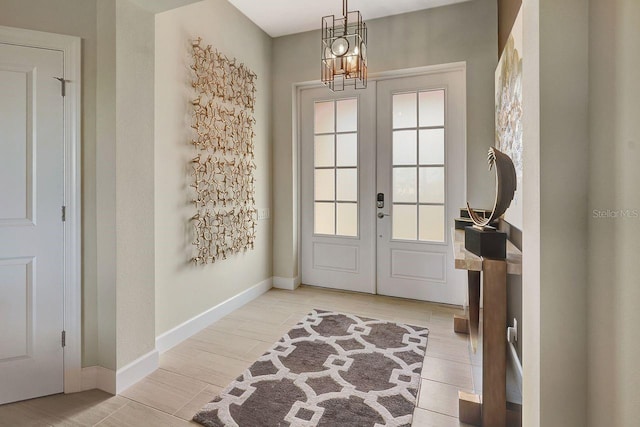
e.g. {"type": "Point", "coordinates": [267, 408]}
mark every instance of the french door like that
{"type": "Point", "coordinates": [338, 185]}
{"type": "Point", "coordinates": [382, 224]}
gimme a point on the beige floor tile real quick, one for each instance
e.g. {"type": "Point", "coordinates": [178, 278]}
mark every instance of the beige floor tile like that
{"type": "Point", "coordinates": [448, 372]}
{"type": "Point", "coordinates": [138, 415]}
{"type": "Point", "coordinates": [224, 343]}
{"type": "Point", "coordinates": [446, 332]}
{"type": "Point", "coordinates": [263, 331]}
{"type": "Point", "coordinates": [439, 397]}
{"type": "Point", "coordinates": [196, 370]}
{"type": "Point", "coordinates": [225, 325]}
{"type": "Point", "coordinates": [450, 349]}
{"type": "Point", "coordinates": [194, 405]}
{"type": "Point", "coordinates": [18, 414]}
{"type": "Point", "coordinates": [86, 408]}
{"type": "Point", "coordinates": [191, 345]}
{"type": "Point", "coordinates": [411, 321]}
{"type": "Point", "coordinates": [300, 308]}
{"type": "Point", "coordinates": [260, 314]}
{"type": "Point", "coordinates": [165, 391]}
{"type": "Point", "coordinates": [77, 409]}
{"type": "Point", "coordinates": [424, 418]}
{"type": "Point", "coordinates": [204, 366]}
{"type": "Point", "coordinates": [256, 352]}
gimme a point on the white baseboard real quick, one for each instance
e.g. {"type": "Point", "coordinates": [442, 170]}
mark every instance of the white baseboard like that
{"type": "Point", "coordinates": [135, 371]}
{"type": "Point", "coordinates": [287, 283]}
{"type": "Point", "coordinates": [116, 382]}
{"type": "Point", "coordinates": [515, 362]}
{"type": "Point", "coordinates": [192, 326]}
{"type": "Point", "coordinates": [100, 378]}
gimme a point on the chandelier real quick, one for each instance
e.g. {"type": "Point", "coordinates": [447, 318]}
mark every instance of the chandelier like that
{"type": "Point", "coordinates": [344, 50]}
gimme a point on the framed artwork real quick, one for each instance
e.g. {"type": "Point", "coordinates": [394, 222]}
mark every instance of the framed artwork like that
{"type": "Point", "coordinates": [508, 113]}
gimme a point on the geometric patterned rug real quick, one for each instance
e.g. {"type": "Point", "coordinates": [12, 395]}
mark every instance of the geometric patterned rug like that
{"type": "Point", "coordinates": [331, 369]}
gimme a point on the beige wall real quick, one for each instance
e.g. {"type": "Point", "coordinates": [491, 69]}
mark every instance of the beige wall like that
{"type": "Point", "coordinates": [117, 57]}
{"type": "Point", "coordinates": [182, 289]}
{"type": "Point", "coordinates": [556, 144]}
{"type": "Point", "coordinates": [125, 183]}
{"type": "Point", "coordinates": [613, 373]}
{"type": "Point", "coordinates": [462, 32]}
{"type": "Point", "coordinates": [75, 18]}
{"type": "Point", "coordinates": [134, 171]}
{"type": "Point", "coordinates": [106, 185]}
{"type": "Point", "coordinates": [531, 365]}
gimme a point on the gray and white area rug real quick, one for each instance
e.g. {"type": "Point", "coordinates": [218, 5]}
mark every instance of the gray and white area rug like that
{"type": "Point", "coordinates": [331, 369]}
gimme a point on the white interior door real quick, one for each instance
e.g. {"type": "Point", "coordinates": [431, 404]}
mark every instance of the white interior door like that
{"type": "Point", "coordinates": [337, 150]}
{"type": "Point", "coordinates": [422, 173]}
{"type": "Point", "coordinates": [31, 228]}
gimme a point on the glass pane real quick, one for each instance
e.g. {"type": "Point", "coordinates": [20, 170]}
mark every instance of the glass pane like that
{"type": "Point", "coordinates": [347, 222]}
{"type": "Point", "coordinates": [325, 184]}
{"type": "Point", "coordinates": [324, 150]}
{"type": "Point", "coordinates": [324, 218]}
{"type": "Point", "coordinates": [405, 111]}
{"type": "Point", "coordinates": [404, 185]}
{"type": "Point", "coordinates": [405, 222]}
{"type": "Point", "coordinates": [432, 147]}
{"type": "Point", "coordinates": [432, 224]}
{"type": "Point", "coordinates": [347, 149]}
{"type": "Point", "coordinates": [324, 117]}
{"type": "Point", "coordinates": [347, 185]}
{"type": "Point", "coordinates": [404, 147]}
{"type": "Point", "coordinates": [432, 185]}
{"type": "Point", "coordinates": [347, 114]}
{"type": "Point", "coordinates": [432, 108]}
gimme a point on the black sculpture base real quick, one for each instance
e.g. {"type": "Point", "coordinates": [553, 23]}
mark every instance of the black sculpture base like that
{"type": "Point", "coordinates": [487, 243]}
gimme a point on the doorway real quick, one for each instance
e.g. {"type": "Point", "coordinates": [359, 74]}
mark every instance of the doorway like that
{"type": "Point", "coordinates": [383, 175]}
{"type": "Point", "coordinates": [39, 214]}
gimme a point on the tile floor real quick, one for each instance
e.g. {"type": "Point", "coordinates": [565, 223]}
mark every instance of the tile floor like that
{"type": "Point", "coordinates": [192, 373]}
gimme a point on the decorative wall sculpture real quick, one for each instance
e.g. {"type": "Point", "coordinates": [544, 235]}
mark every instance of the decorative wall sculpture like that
{"type": "Point", "coordinates": [222, 170]}
{"type": "Point", "coordinates": [509, 111]}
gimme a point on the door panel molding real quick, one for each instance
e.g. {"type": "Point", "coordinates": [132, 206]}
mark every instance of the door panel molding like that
{"type": "Point", "coordinates": [428, 259]}
{"type": "Point", "coordinates": [28, 316]}
{"type": "Point", "coordinates": [71, 49]}
{"type": "Point", "coordinates": [341, 255]}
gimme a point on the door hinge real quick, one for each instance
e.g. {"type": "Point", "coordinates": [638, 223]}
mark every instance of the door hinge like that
{"type": "Point", "coordinates": [63, 85]}
{"type": "Point", "coordinates": [64, 213]}
{"type": "Point", "coordinates": [64, 338]}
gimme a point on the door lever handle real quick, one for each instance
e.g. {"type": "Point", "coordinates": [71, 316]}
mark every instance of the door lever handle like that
{"type": "Point", "coordinates": [382, 215]}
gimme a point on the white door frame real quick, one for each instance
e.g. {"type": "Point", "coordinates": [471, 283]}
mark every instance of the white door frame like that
{"type": "Point", "coordinates": [297, 136]}
{"type": "Point", "coordinates": [71, 48]}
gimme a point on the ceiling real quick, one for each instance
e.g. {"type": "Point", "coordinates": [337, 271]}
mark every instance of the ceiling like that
{"type": "Point", "coordinates": [282, 17]}
{"type": "Point", "coordinates": [157, 6]}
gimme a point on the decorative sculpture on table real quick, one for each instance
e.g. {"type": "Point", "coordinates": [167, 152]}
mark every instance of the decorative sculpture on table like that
{"type": "Point", "coordinates": [222, 171]}
{"type": "Point", "coordinates": [481, 238]}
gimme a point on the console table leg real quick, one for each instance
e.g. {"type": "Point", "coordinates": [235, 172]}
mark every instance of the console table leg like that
{"type": "Point", "coordinates": [494, 398]}
{"type": "Point", "coordinates": [473, 289]}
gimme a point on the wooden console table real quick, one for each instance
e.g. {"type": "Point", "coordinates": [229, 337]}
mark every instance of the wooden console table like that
{"type": "Point", "coordinates": [490, 409]}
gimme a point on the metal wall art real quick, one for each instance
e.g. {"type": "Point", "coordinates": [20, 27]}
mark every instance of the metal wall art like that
{"type": "Point", "coordinates": [221, 77]}
{"type": "Point", "coordinates": [222, 170]}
